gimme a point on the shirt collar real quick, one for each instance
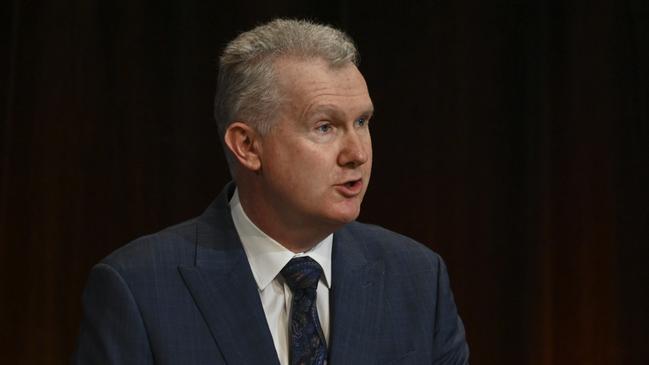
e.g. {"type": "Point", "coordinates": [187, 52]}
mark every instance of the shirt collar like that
{"type": "Point", "coordinates": [268, 257]}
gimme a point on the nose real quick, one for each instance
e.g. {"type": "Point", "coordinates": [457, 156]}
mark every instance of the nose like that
{"type": "Point", "coordinates": [356, 149]}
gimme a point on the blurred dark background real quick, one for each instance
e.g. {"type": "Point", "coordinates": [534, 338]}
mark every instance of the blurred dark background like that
{"type": "Point", "coordinates": [510, 136]}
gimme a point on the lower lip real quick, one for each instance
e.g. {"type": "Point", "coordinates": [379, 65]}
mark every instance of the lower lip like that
{"type": "Point", "coordinates": [350, 190]}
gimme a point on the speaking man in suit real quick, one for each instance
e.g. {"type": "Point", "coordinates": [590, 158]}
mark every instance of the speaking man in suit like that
{"type": "Point", "coordinates": [276, 270]}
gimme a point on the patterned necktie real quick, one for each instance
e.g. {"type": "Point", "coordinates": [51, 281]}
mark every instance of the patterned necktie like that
{"type": "Point", "coordinates": [308, 346]}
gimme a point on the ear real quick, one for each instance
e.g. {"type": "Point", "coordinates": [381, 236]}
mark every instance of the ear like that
{"type": "Point", "coordinates": [242, 140]}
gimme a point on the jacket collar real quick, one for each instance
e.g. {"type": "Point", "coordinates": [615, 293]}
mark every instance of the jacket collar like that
{"type": "Point", "coordinates": [356, 300]}
{"type": "Point", "coordinates": [224, 289]}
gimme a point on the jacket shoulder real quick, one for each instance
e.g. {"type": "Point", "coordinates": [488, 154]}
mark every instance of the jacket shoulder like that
{"type": "Point", "coordinates": [391, 247]}
{"type": "Point", "coordinates": [171, 246]}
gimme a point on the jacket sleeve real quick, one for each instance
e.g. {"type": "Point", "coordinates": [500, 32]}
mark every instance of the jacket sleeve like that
{"type": "Point", "coordinates": [450, 346]}
{"type": "Point", "coordinates": [112, 330]}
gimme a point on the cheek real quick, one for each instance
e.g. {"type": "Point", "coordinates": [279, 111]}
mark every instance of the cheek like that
{"type": "Point", "coordinates": [369, 146]}
{"type": "Point", "coordinates": [368, 151]}
{"type": "Point", "coordinates": [301, 166]}
{"type": "Point", "coordinates": [303, 172]}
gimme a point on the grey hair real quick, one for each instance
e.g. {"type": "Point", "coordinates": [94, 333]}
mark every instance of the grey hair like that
{"type": "Point", "coordinates": [246, 88]}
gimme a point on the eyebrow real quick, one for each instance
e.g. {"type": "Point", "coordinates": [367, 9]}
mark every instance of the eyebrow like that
{"type": "Point", "coordinates": [369, 112]}
{"type": "Point", "coordinates": [327, 108]}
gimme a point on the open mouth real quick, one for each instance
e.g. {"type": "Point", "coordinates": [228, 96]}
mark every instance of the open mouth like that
{"type": "Point", "coordinates": [353, 183]}
{"type": "Point", "coordinates": [351, 188]}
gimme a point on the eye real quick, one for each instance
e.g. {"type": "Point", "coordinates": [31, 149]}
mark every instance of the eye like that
{"type": "Point", "coordinates": [324, 128]}
{"type": "Point", "coordinates": [361, 122]}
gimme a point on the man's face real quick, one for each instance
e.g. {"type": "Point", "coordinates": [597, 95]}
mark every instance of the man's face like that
{"type": "Point", "coordinates": [317, 158]}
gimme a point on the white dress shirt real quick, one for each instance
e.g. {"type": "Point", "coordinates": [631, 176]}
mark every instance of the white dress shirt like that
{"type": "Point", "coordinates": [267, 258]}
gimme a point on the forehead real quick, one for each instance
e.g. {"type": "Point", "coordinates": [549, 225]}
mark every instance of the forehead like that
{"type": "Point", "coordinates": [312, 83]}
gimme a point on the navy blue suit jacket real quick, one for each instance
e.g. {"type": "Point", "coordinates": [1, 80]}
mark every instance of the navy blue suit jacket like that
{"type": "Point", "coordinates": [186, 295]}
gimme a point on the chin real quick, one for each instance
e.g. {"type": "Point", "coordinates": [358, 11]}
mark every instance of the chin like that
{"type": "Point", "coordinates": [343, 217]}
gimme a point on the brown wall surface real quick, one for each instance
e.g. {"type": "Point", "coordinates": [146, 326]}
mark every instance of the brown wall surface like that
{"type": "Point", "coordinates": [512, 137]}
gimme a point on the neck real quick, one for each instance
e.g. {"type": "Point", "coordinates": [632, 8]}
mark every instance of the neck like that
{"type": "Point", "coordinates": [296, 235]}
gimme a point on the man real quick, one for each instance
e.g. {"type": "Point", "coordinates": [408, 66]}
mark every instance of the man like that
{"type": "Point", "coordinates": [277, 271]}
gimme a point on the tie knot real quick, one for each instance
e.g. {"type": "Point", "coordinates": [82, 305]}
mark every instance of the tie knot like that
{"type": "Point", "coordinates": [302, 273]}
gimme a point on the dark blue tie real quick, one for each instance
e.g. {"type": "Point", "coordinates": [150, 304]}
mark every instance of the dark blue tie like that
{"type": "Point", "coordinates": [308, 346]}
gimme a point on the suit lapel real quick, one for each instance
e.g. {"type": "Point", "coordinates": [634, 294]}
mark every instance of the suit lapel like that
{"type": "Point", "coordinates": [356, 301]}
{"type": "Point", "coordinates": [223, 287]}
